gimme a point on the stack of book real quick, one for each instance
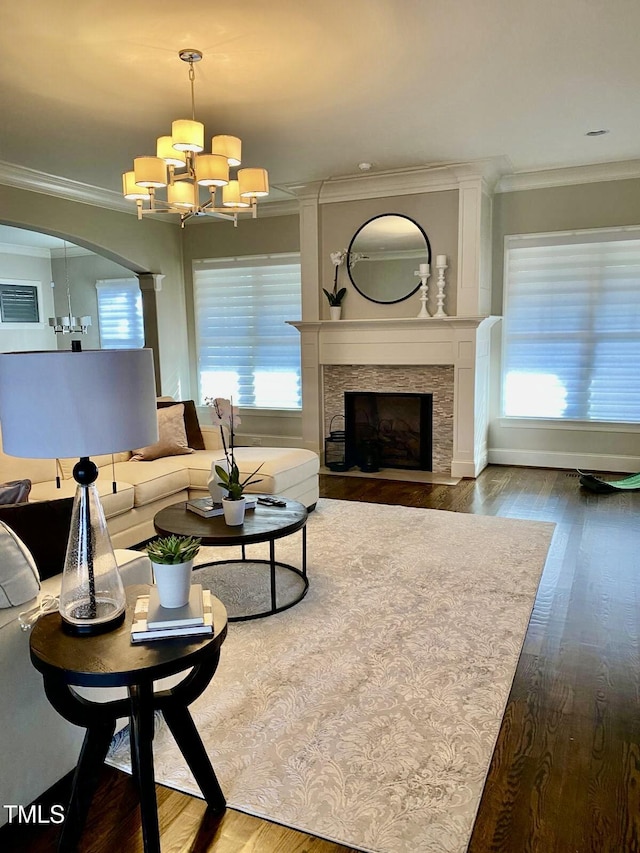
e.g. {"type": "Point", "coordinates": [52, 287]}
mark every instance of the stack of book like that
{"type": "Point", "coordinates": [152, 621]}
{"type": "Point", "coordinates": [208, 508]}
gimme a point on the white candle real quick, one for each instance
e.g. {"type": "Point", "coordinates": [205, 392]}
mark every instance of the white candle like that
{"type": "Point", "coordinates": [424, 269]}
{"type": "Point", "coordinates": [441, 261]}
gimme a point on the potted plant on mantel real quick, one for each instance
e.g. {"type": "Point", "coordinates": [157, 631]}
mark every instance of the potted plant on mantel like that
{"type": "Point", "coordinates": [225, 416]}
{"type": "Point", "coordinates": [336, 296]}
{"type": "Point", "coordinates": [172, 561]}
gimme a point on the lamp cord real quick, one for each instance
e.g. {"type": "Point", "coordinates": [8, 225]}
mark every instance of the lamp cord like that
{"type": "Point", "coordinates": [47, 604]}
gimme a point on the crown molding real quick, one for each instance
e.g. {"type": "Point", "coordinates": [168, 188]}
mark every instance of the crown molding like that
{"type": "Point", "coordinates": [29, 251]}
{"type": "Point", "coordinates": [22, 178]}
{"type": "Point", "coordinates": [432, 178]}
{"type": "Point", "coordinates": [589, 174]}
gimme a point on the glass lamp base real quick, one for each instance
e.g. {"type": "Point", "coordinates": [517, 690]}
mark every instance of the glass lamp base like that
{"type": "Point", "coordinates": [91, 627]}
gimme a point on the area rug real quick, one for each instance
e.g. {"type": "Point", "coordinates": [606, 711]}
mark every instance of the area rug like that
{"type": "Point", "coordinates": [367, 714]}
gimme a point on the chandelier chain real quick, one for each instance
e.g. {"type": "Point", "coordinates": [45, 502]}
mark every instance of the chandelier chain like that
{"type": "Point", "coordinates": [192, 78]}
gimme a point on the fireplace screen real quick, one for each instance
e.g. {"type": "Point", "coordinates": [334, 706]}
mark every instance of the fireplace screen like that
{"type": "Point", "coordinates": [388, 430]}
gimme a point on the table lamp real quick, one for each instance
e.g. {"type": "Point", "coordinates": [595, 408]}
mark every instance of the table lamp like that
{"type": "Point", "coordinates": [78, 403]}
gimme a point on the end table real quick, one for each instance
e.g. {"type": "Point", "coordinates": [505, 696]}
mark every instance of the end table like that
{"type": "Point", "coordinates": [110, 660]}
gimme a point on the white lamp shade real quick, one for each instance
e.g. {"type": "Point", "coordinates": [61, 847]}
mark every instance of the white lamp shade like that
{"type": "Point", "coordinates": [254, 183]}
{"type": "Point", "coordinates": [170, 155]}
{"type": "Point", "coordinates": [131, 190]}
{"type": "Point", "coordinates": [212, 170]}
{"type": "Point", "coordinates": [61, 404]}
{"type": "Point", "coordinates": [150, 171]}
{"type": "Point", "coordinates": [230, 147]}
{"type": "Point", "coordinates": [182, 194]}
{"type": "Point", "coordinates": [231, 196]}
{"type": "Point", "coordinates": [187, 135]}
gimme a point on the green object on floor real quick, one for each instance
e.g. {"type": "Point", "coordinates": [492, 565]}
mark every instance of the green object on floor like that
{"type": "Point", "coordinates": [597, 484]}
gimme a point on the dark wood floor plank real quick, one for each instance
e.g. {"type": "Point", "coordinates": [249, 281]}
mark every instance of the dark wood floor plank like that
{"type": "Point", "coordinates": [565, 774]}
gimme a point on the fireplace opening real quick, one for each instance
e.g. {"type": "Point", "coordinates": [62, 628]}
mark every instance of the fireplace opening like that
{"type": "Point", "coordinates": [388, 430]}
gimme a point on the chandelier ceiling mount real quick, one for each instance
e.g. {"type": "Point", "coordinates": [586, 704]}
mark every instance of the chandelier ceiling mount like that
{"type": "Point", "coordinates": [180, 167]}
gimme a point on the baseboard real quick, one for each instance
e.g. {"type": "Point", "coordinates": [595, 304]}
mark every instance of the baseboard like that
{"type": "Point", "coordinates": [562, 459]}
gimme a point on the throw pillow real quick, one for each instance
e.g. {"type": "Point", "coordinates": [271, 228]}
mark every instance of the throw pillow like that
{"type": "Point", "coordinates": [173, 436]}
{"type": "Point", "coordinates": [15, 491]}
{"type": "Point", "coordinates": [19, 581]}
{"type": "Point", "coordinates": [191, 422]}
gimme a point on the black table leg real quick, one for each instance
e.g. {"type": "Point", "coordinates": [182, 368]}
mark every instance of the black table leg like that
{"type": "Point", "coordinates": [142, 728]}
{"type": "Point", "coordinates": [272, 563]}
{"type": "Point", "coordinates": [85, 781]}
{"type": "Point", "coordinates": [186, 735]}
{"type": "Point", "coordinates": [304, 551]}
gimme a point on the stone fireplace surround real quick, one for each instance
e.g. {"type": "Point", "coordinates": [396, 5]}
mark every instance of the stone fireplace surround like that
{"type": "Point", "coordinates": [432, 379]}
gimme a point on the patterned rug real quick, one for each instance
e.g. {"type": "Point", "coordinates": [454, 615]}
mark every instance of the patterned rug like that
{"type": "Point", "coordinates": [367, 714]}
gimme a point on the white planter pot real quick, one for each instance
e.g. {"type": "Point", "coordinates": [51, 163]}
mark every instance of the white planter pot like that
{"type": "Point", "coordinates": [173, 583]}
{"type": "Point", "coordinates": [335, 311]}
{"type": "Point", "coordinates": [233, 511]}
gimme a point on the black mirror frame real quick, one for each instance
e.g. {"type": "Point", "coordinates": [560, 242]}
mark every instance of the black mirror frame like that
{"type": "Point", "coordinates": [364, 224]}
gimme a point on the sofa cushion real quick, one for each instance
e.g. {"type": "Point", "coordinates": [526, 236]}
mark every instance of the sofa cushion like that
{"type": "Point", "coordinates": [282, 467]}
{"type": "Point", "coordinates": [112, 504]}
{"type": "Point", "coordinates": [195, 439]}
{"type": "Point", "coordinates": [172, 439]}
{"type": "Point", "coordinates": [101, 460]}
{"type": "Point", "coordinates": [154, 480]}
{"type": "Point", "coordinates": [19, 581]}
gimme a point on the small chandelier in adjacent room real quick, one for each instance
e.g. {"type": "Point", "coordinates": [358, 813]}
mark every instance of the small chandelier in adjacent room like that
{"type": "Point", "coordinates": [69, 324]}
{"type": "Point", "coordinates": [182, 168]}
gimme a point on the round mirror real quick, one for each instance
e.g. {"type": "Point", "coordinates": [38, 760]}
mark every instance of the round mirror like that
{"type": "Point", "coordinates": [383, 256]}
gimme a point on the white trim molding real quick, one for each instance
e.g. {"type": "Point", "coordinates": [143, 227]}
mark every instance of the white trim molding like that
{"type": "Point", "coordinates": [594, 173]}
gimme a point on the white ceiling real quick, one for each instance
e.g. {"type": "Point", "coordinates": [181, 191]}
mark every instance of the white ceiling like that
{"type": "Point", "coordinates": [314, 88]}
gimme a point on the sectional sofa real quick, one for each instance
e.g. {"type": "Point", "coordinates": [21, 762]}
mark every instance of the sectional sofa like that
{"type": "Point", "coordinates": [145, 487]}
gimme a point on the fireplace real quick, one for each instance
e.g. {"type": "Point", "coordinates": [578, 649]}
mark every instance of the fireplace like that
{"type": "Point", "coordinates": [388, 430]}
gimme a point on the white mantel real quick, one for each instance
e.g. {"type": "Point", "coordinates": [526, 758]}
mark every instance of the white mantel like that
{"type": "Point", "coordinates": [460, 341]}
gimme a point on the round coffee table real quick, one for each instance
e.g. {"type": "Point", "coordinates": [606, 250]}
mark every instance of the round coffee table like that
{"type": "Point", "coordinates": [286, 585]}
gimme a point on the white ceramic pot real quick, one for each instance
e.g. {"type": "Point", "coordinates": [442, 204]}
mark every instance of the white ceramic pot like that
{"type": "Point", "coordinates": [173, 583]}
{"type": "Point", "coordinates": [335, 311]}
{"type": "Point", "coordinates": [233, 511]}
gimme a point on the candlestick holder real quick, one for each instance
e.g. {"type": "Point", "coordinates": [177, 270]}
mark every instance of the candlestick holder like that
{"type": "Point", "coordinates": [424, 277]}
{"type": "Point", "coordinates": [440, 312]}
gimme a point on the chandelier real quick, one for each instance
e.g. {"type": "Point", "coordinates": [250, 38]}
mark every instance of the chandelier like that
{"type": "Point", "coordinates": [69, 324]}
{"type": "Point", "coordinates": [182, 168]}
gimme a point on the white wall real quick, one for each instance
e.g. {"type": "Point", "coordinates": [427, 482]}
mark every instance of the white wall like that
{"type": "Point", "coordinates": [30, 265]}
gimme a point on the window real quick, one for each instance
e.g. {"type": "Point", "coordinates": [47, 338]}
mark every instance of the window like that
{"type": "Point", "coordinates": [120, 313]}
{"type": "Point", "coordinates": [19, 302]}
{"type": "Point", "coordinates": [571, 345]}
{"type": "Point", "coordinates": [246, 351]}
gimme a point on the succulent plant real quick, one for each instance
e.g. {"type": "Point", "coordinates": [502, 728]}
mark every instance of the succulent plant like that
{"type": "Point", "coordinates": [171, 550]}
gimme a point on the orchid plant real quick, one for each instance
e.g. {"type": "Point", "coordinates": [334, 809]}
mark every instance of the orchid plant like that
{"type": "Point", "coordinates": [336, 296]}
{"type": "Point", "coordinates": [225, 416]}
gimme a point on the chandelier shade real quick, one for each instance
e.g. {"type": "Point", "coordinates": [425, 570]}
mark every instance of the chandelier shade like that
{"type": "Point", "coordinates": [131, 190]}
{"type": "Point", "coordinates": [170, 155]}
{"type": "Point", "coordinates": [254, 183]}
{"type": "Point", "coordinates": [231, 196]}
{"type": "Point", "coordinates": [187, 135]}
{"type": "Point", "coordinates": [230, 147]}
{"type": "Point", "coordinates": [182, 166]}
{"type": "Point", "coordinates": [181, 194]}
{"type": "Point", "coordinates": [150, 172]}
{"type": "Point", "coordinates": [212, 170]}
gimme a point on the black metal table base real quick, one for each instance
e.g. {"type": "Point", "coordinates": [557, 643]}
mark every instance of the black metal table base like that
{"type": "Point", "coordinates": [273, 564]}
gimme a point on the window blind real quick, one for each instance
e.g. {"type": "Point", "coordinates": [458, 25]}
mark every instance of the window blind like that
{"type": "Point", "coordinates": [246, 351]}
{"type": "Point", "coordinates": [19, 304]}
{"type": "Point", "coordinates": [571, 345]}
{"type": "Point", "coordinates": [120, 314]}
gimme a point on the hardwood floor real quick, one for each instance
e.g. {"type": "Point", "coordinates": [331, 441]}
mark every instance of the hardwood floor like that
{"type": "Point", "coordinates": [565, 775]}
